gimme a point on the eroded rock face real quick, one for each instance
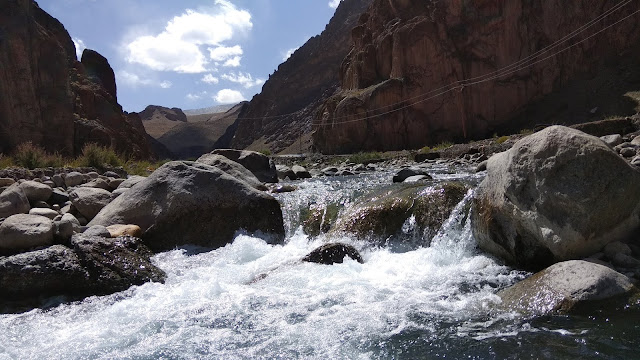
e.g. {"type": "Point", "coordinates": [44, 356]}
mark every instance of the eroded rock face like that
{"type": "Point", "coordinates": [556, 195]}
{"type": "Point", "coordinates": [56, 101]}
{"type": "Point", "coordinates": [405, 52]}
{"type": "Point", "coordinates": [192, 203]}
{"type": "Point", "coordinates": [300, 84]}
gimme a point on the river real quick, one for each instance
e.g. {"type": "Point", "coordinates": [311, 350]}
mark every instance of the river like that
{"type": "Point", "coordinates": [251, 300]}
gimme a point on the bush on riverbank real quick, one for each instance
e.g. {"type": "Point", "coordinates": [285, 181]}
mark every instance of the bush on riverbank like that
{"type": "Point", "coordinates": [31, 156]}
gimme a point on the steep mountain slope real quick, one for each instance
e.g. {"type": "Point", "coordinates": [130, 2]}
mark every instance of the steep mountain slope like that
{"type": "Point", "coordinates": [157, 120]}
{"type": "Point", "coordinates": [397, 80]}
{"type": "Point", "coordinates": [51, 99]}
{"type": "Point", "coordinates": [298, 86]}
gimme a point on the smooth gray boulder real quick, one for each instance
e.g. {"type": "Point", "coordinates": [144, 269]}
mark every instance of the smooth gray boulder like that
{"type": "Point", "coordinates": [97, 183]}
{"type": "Point", "coordinates": [97, 230]}
{"type": "Point", "coordinates": [232, 168]}
{"type": "Point", "coordinates": [89, 201]}
{"type": "Point", "coordinates": [301, 172]}
{"type": "Point", "coordinates": [73, 178]}
{"type": "Point", "coordinates": [556, 195]}
{"type": "Point", "coordinates": [22, 231]}
{"type": "Point", "coordinates": [559, 288]}
{"type": "Point", "coordinates": [612, 140]}
{"type": "Point", "coordinates": [13, 201]}
{"type": "Point", "coordinates": [67, 226]}
{"type": "Point", "coordinates": [6, 182]}
{"type": "Point", "coordinates": [36, 191]}
{"type": "Point", "coordinates": [48, 213]}
{"type": "Point", "coordinates": [259, 164]}
{"type": "Point", "coordinates": [285, 172]}
{"type": "Point", "coordinates": [192, 203]}
{"type": "Point", "coordinates": [131, 181]}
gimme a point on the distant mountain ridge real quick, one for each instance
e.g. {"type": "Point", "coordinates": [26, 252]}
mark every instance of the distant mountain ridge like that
{"type": "Point", "coordinates": [210, 110]}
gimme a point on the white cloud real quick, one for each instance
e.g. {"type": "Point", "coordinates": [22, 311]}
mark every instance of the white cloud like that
{"type": "Point", "coordinates": [288, 54]}
{"type": "Point", "coordinates": [243, 79]}
{"type": "Point", "coordinates": [334, 3]}
{"type": "Point", "coordinates": [228, 96]}
{"type": "Point", "coordinates": [133, 80]}
{"type": "Point", "coordinates": [222, 53]}
{"type": "Point", "coordinates": [233, 62]}
{"type": "Point", "coordinates": [179, 47]}
{"type": "Point", "coordinates": [210, 79]}
{"type": "Point", "coordinates": [80, 46]}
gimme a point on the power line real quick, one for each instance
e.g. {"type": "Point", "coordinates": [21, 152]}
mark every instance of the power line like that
{"type": "Point", "coordinates": [462, 84]}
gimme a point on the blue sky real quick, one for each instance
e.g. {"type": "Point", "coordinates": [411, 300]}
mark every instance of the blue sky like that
{"type": "Point", "coordinates": [191, 54]}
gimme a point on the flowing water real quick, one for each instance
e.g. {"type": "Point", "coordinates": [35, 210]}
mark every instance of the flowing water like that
{"type": "Point", "coordinates": [253, 300]}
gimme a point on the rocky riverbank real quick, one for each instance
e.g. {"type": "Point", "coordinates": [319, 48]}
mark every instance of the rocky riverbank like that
{"type": "Point", "coordinates": [554, 196]}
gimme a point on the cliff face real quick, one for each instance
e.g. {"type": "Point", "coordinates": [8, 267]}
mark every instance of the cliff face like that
{"type": "Point", "coordinates": [299, 85]}
{"type": "Point", "coordinates": [404, 52]}
{"type": "Point", "coordinates": [50, 98]}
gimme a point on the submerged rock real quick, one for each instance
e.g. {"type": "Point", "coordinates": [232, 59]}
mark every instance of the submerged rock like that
{"type": "Point", "coordinates": [561, 287]}
{"type": "Point", "coordinates": [192, 203]}
{"type": "Point", "coordinates": [330, 254]}
{"type": "Point", "coordinates": [558, 194]}
{"type": "Point", "coordinates": [382, 215]}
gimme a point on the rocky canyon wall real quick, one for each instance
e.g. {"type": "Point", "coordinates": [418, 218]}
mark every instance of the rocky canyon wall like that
{"type": "Point", "coordinates": [50, 98]}
{"type": "Point", "coordinates": [396, 91]}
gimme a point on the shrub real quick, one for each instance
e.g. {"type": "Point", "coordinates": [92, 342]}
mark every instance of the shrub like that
{"type": "Point", "coordinates": [526, 132]}
{"type": "Point", "coordinates": [366, 157]}
{"type": "Point", "coordinates": [442, 146]}
{"type": "Point", "coordinates": [265, 152]}
{"type": "Point", "coordinates": [99, 157]}
{"type": "Point", "coordinates": [5, 161]}
{"type": "Point", "coordinates": [502, 139]}
{"type": "Point", "coordinates": [29, 156]}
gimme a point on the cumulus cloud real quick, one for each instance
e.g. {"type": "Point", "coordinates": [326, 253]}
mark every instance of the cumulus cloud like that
{"type": "Point", "coordinates": [80, 46]}
{"type": "Point", "coordinates": [180, 46]}
{"type": "Point", "coordinates": [334, 3]}
{"type": "Point", "coordinates": [233, 62]}
{"type": "Point", "coordinates": [195, 97]}
{"type": "Point", "coordinates": [134, 80]}
{"type": "Point", "coordinates": [243, 79]}
{"type": "Point", "coordinates": [210, 79]}
{"type": "Point", "coordinates": [228, 96]}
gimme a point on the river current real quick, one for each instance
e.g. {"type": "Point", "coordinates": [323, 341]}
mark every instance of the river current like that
{"type": "Point", "coordinates": [252, 300]}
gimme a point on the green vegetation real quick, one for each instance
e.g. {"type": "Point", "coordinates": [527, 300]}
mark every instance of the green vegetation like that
{"type": "Point", "coordinates": [366, 157]}
{"type": "Point", "coordinates": [265, 152]}
{"type": "Point", "coordinates": [99, 157]}
{"type": "Point", "coordinates": [502, 139]}
{"type": "Point", "coordinates": [439, 147]}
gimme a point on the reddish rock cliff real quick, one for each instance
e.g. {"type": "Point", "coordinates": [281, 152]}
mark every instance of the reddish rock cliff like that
{"type": "Point", "coordinates": [299, 85]}
{"type": "Point", "coordinates": [404, 51]}
{"type": "Point", "coordinates": [49, 98]}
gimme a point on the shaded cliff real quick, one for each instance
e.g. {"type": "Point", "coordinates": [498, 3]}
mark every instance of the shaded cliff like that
{"type": "Point", "coordinates": [50, 98]}
{"type": "Point", "coordinates": [396, 91]}
{"type": "Point", "coordinates": [298, 86]}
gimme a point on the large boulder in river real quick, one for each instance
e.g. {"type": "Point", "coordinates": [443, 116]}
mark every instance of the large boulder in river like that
{"type": "Point", "coordinates": [192, 203]}
{"type": "Point", "coordinates": [558, 194]}
{"type": "Point", "coordinates": [412, 212]}
{"type": "Point", "coordinates": [259, 164]}
{"type": "Point", "coordinates": [13, 201]}
{"type": "Point", "coordinates": [561, 287]}
{"type": "Point", "coordinates": [89, 201]}
{"type": "Point", "coordinates": [232, 168]}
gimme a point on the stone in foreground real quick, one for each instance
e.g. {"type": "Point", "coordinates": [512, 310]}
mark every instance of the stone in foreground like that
{"type": "Point", "coordinates": [561, 287]}
{"type": "Point", "coordinates": [191, 203]}
{"type": "Point", "coordinates": [21, 232]}
{"type": "Point", "coordinates": [330, 254]}
{"type": "Point", "coordinates": [557, 195]}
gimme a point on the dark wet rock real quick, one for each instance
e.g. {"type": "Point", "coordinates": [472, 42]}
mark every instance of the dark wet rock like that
{"type": "Point", "coordinates": [22, 232]}
{"type": "Point", "coordinates": [192, 203]}
{"type": "Point", "coordinates": [422, 157]}
{"type": "Point", "coordinates": [558, 194]}
{"type": "Point", "coordinates": [280, 189]}
{"type": "Point", "coordinates": [259, 164]}
{"type": "Point", "coordinates": [330, 254]}
{"type": "Point", "coordinates": [319, 219]}
{"type": "Point", "coordinates": [58, 197]}
{"type": "Point", "coordinates": [563, 286]}
{"type": "Point", "coordinates": [285, 172]}
{"type": "Point", "coordinates": [405, 173]}
{"type": "Point", "coordinates": [115, 264]}
{"type": "Point", "coordinates": [381, 215]}
{"type": "Point", "coordinates": [13, 201]}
